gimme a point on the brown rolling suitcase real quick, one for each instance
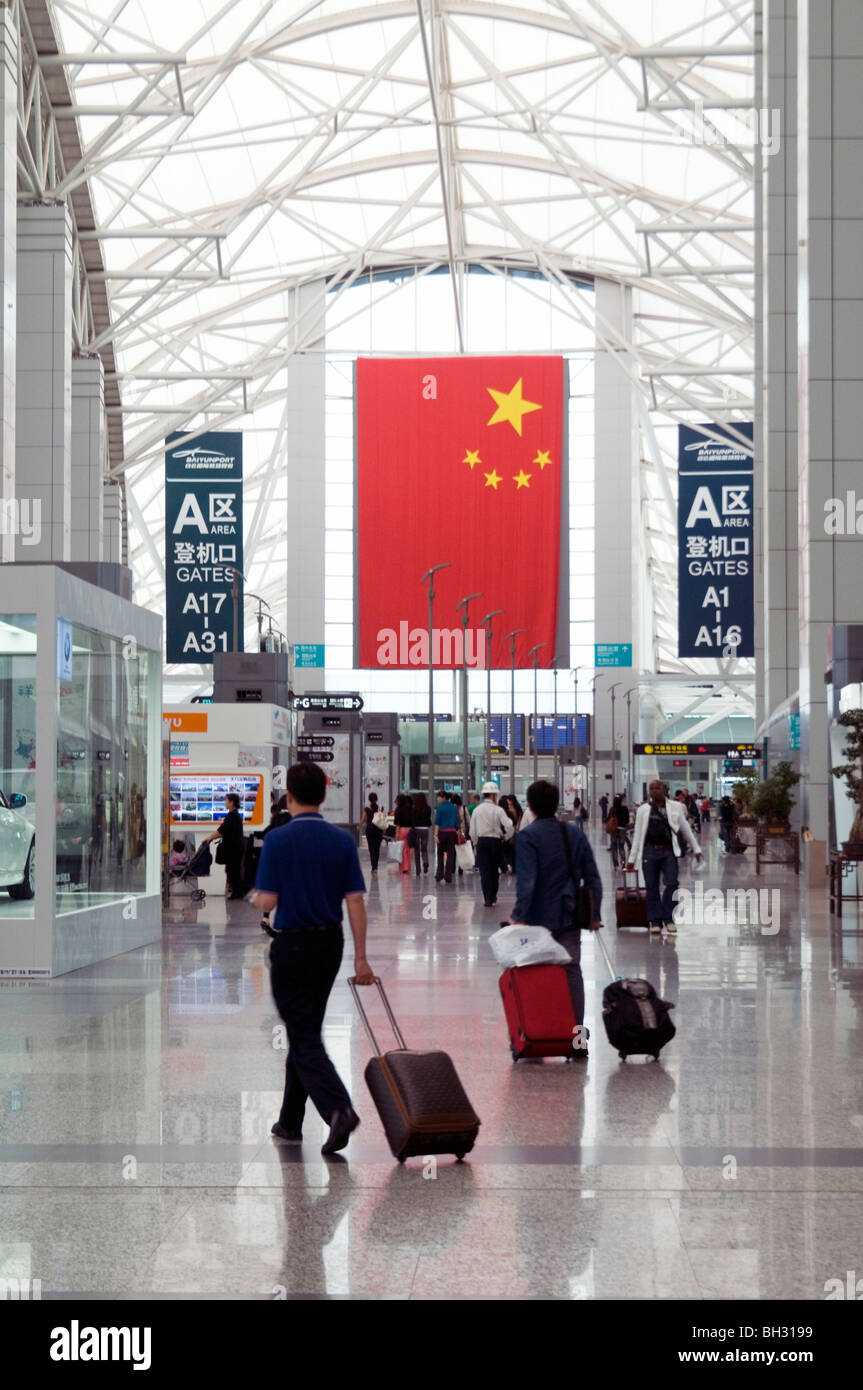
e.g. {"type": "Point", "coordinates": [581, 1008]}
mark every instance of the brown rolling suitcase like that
{"type": "Point", "coordinates": [421, 1102]}
{"type": "Point", "coordinates": [630, 901]}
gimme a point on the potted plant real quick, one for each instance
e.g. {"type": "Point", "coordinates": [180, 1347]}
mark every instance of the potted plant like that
{"type": "Point", "coordinates": [773, 802]}
{"type": "Point", "coordinates": [744, 791]}
{"type": "Point", "coordinates": [852, 771]}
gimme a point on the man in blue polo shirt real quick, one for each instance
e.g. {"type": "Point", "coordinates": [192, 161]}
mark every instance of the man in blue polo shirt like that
{"type": "Point", "coordinates": [307, 869]}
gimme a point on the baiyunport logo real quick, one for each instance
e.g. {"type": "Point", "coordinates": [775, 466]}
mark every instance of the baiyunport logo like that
{"type": "Point", "coordinates": [199, 457]}
{"type": "Point", "coordinates": [409, 646]}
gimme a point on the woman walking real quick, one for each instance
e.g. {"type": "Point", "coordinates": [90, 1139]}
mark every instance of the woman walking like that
{"type": "Point", "coordinates": [422, 825]}
{"type": "Point", "coordinates": [374, 833]}
{"type": "Point", "coordinates": [403, 815]}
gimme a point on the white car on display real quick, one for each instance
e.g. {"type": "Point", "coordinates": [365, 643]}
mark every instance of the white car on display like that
{"type": "Point", "coordinates": [17, 848]}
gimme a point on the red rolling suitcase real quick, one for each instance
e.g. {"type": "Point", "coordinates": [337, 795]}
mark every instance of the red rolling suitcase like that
{"type": "Point", "coordinates": [418, 1095]}
{"type": "Point", "coordinates": [630, 901]}
{"type": "Point", "coordinates": [539, 1012]}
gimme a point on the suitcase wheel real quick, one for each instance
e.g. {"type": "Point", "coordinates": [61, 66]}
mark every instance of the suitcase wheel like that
{"type": "Point", "coordinates": [514, 1052]}
{"type": "Point", "coordinates": [459, 1156]}
{"type": "Point", "coordinates": [622, 1056]}
{"type": "Point", "coordinates": [401, 1158]}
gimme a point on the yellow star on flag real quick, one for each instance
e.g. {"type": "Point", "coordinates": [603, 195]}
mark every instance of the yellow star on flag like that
{"type": "Point", "coordinates": [492, 479]}
{"type": "Point", "coordinates": [472, 457]}
{"type": "Point", "coordinates": [542, 458]}
{"type": "Point", "coordinates": [521, 479]}
{"type": "Point", "coordinates": [511, 406]}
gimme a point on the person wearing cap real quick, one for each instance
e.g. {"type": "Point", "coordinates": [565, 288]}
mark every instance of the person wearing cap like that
{"type": "Point", "coordinates": [489, 826]}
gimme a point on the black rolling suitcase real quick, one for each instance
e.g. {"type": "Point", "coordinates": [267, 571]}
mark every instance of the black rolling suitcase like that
{"type": "Point", "coordinates": [636, 1019]}
{"type": "Point", "coordinates": [421, 1102]}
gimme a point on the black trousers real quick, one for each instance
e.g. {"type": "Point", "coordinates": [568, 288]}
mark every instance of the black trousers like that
{"type": "Point", "coordinates": [488, 858]}
{"type": "Point", "coordinates": [446, 842]}
{"type": "Point", "coordinates": [421, 847]}
{"type": "Point", "coordinates": [234, 873]}
{"type": "Point", "coordinates": [303, 966]}
{"type": "Point", "coordinates": [374, 838]}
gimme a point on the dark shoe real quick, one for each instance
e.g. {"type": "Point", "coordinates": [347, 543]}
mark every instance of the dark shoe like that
{"type": "Point", "coordinates": [342, 1126]}
{"type": "Point", "coordinates": [289, 1136]}
{"type": "Point", "coordinates": [494, 904]}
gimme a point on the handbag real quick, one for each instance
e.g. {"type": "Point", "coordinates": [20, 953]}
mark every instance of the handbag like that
{"type": "Point", "coordinates": [582, 911]}
{"type": "Point", "coordinates": [220, 852]}
{"type": "Point", "coordinates": [611, 825]}
{"type": "Point", "coordinates": [380, 820]}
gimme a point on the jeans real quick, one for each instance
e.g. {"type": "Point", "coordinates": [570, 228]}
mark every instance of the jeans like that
{"type": "Point", "coordinates": [303, 966]}
{"type": "Point", "coordinates": [659, 861]}
{"type": "Point", "coordinates": [488, 863]}
{"type": "Point", "coordinates": [446, 841]}
{"type": "Point", "coordinates": [570, 940]}
{"type": "Point", "coordinates": [421, 847]}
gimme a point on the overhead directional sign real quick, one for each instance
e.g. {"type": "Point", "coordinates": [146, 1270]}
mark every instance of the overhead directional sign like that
{"type": "Point", "coordinates": [309, 654]}
{"type": "Point", "coordinates": [315, 741]}
{"type": "Point", "coordinates": [328, 702]}
{"type": "Point", "coordinates": [693, 750]}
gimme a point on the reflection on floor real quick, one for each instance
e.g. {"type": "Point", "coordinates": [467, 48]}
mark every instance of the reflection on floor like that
{"type": "Point", "coordinates": [137, 1096]}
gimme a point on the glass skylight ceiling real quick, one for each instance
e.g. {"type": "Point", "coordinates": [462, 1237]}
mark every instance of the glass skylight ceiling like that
{"type": "Point", "coordinates": [235, 151]}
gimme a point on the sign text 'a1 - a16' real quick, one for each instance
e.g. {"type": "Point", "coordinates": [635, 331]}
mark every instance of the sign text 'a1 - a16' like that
{"type": "Point", "coordinates": [716, 534]}
{"type": "Point", "coordinates": [203, 544]}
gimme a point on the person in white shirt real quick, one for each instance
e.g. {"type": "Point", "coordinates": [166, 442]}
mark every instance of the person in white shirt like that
{"type": "Point", "coordinates": [657, 825]}
{"type": "Point", "coordinates": [489, 827]}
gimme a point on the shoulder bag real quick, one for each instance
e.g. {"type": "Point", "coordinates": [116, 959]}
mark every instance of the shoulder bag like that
{"type": "Point", "coordinates": [582, 913]}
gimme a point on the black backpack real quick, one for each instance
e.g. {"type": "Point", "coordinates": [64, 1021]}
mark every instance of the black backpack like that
{"type": "Point", "coordinates": [636, 1019]}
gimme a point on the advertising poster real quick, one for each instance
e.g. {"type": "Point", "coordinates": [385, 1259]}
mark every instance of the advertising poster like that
{"type": "Point", "coordinates": [715, 527]}
{"type": "Point", "coordinates": [336, 807]}
{"type": "Point", "coordinates": [377, 775]}
{"type": "Point", "coordinates": [465, 461]}
{"type": "Point", "coordinates": [203, 544]}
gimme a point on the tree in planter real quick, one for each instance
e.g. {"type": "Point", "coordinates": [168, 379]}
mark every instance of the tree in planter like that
{"type": "Point", "coordinates": [745, 790]}
{"type": "Point", "coordinates": [852, 771]}
{"type": "Point", "coordinates": [773, 799]}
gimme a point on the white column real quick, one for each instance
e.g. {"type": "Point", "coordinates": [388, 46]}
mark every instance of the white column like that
{"type": "Point", "coordinates": [306, 484]}
{"type": "Point", "coordinates": [88, 457]}
{"type": "Point", "coordinates": [8, 274]}
{"type": "Point", "coordinates": [617, 590]}
{"type": "Point", "coordinates": [830, 351]}
{"type": "Point", "coordinates": [112, 523]}
{"type": "Point", "coordinates": [44, 380]}
{"type": "Point", "coordinates": [778, 673]}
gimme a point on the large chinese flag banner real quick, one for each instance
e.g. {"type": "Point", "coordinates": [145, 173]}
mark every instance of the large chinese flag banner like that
{"type": "Point", "coordinates": [459, 460]}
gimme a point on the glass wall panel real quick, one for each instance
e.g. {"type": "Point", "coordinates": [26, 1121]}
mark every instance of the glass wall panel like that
{"type": "Point", "coordinates": [17, 765]}
{"type": "Point", "coordinates": [102, 753]}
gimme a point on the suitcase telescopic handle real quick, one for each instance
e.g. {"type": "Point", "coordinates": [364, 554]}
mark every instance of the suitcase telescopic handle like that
{"type": "Point", "coordinates": [606, 957]}
{"type": "Point", "coordinates": [364, 1016]}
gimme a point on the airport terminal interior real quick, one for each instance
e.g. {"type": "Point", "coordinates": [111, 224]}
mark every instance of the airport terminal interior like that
{"type": "Point", "coordinates": [430, 511]}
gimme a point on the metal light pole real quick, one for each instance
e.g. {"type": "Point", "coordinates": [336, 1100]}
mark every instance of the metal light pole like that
{"type": "Point", "coordinates": [554, 731]}
{"type": "Point", "coordinates": [593, 742]}
{"type": "Point", "coordinates": [512, 636]}
{"type": "Point", "coordinates": [463, 604]}
{"type": "Point", "coordinates": [533, 651]}
{"type": "Point", "coordinates": [429, 575]}
{"type": "Point", "coordinates": [486, 623]}
{"type": "Point", "coordinates": [575, 672]}
{"type": "Point", "coordinates": [613, 749]}
{"type": "Point", "coordinates": [629, 694]}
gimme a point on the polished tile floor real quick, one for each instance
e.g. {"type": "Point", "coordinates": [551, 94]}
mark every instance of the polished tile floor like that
{"type": "Point", "coordinates": [136, 1099]}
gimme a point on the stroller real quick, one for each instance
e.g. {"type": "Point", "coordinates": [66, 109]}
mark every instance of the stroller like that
{"type": "Point", "coordinates": [198, 867]}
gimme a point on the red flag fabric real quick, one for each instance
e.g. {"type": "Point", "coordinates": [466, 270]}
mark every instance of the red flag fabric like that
{"type": "Point", "coordinates": [459, 461]}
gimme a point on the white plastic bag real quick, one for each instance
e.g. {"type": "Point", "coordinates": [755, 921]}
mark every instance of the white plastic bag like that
{"type": "Point", "coordinates": [464, 855]}
{"type": "Point", "coordinates": [514, 946]}
{"type": "Point", "coordinates": [395, 850]}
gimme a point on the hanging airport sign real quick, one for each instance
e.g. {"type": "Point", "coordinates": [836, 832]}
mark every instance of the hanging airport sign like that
{"type": "Point", "coordinates": [204, 544]}
{"type": "Point", "coordinates": [319, 702]}
{"type": "Point", "coordinates": [309, 654]}
{"type": "Point", "coordinates": [694, 750]}
{"type": "Point", "coordinates": [715, 529]}
{"type": "Point", "coordinates": [612, 654]}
